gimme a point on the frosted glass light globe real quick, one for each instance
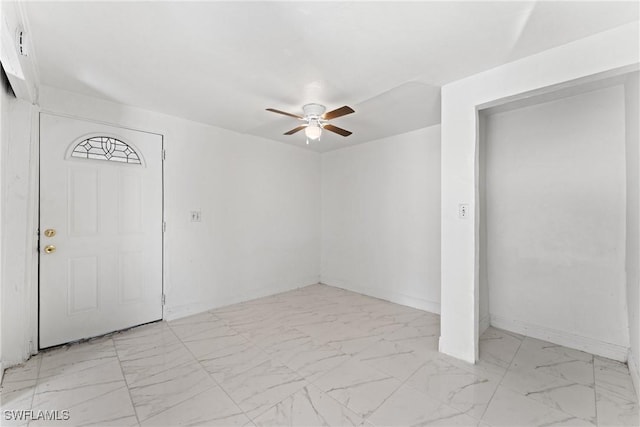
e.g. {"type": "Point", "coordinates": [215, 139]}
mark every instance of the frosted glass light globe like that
{"type": "Point", "coordinates": [313, 131]}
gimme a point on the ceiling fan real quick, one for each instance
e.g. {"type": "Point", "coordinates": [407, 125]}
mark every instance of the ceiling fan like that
{"type": "Point", "coordinates": [316, 119]}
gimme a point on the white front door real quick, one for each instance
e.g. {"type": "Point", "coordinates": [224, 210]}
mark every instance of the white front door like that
{"type": "Point", "coordinates": [100, 229]}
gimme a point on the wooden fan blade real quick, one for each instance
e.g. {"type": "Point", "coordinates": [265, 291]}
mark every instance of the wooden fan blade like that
{"type": "Point", "coordinates": [337, 130]}
{"type": "Point", "coordinates": [294, 130]}
{"type": "Point", "coordinates": [273, 110]}
{"type": "Point", "coordinates": [338, 112]}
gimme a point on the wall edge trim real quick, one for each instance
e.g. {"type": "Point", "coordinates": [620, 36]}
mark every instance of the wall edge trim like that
{"type": "Point", "coordinates": [390, 296]}
{"type": "Point", "coordinates": [191, 308]}
{"type": "Point", "coordinates": [567, 339]}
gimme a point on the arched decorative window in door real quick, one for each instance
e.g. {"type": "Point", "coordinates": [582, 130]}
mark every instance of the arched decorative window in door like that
{"type": "Point", "coordinates": [106, 148]}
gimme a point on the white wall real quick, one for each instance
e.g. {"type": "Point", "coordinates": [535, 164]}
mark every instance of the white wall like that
{"type": "Point", "coordinates": [5, 97]}
{"type": "Point", "coordinates": [484, 319]}
{"type": "Point", "coordinates": [260, 203]}
{"type": "Point", "coordinates": [18, 225]}
{"type": "Point", "coordinates": [381, 218]}
{"type": "Point", "coordinates": [260, 229]}
{"type": "Point", "coordinates": [18, 192]}
{"type": "Point", "coordinates": [632, 94]}
{"type": "Point", "coordinates": [555, 218]}
{"type": "Point", "coordinates": [609, 52]}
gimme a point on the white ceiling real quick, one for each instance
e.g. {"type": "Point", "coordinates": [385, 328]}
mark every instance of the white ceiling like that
{"type": "Point", "coordinates": [223, 63]}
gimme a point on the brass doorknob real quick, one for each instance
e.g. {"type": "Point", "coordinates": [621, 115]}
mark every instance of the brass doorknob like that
{"type": "Point", "coordinates": [49, 249]}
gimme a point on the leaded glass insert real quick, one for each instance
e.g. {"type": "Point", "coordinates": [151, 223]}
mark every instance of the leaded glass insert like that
{"type": "Point", "coordinates": [106, 148]}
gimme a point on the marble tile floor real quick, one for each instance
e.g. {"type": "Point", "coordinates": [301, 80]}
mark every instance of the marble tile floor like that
{"type": "Point", "coordinates": [316, 356]}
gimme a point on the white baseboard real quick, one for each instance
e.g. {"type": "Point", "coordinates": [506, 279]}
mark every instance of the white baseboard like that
{"type": "Point", "coordinates": [635, 373]}
{"type": "Point", "coordinates": [184, 310]}
{"type": "Point", "coordinates": [567, 339]}
{"type": "Point", "coordinates": [387, 295]}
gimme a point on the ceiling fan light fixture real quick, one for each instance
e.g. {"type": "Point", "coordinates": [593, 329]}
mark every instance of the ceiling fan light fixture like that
{"type": "Point", "coordinates": [315, 120]}
{"type": "Point", "coordinates": [313, 131]}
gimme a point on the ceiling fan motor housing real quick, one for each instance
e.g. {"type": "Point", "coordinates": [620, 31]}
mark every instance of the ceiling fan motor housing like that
{"type": "Point", "coordinates": [313, 111]}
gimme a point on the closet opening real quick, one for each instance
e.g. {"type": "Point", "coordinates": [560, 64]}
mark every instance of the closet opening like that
{"type": "Point", "coordinates": [558, 197]}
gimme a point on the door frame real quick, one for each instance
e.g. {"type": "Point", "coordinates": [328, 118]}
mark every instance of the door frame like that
{"type": "Point", "coordinates": [37, 244]}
